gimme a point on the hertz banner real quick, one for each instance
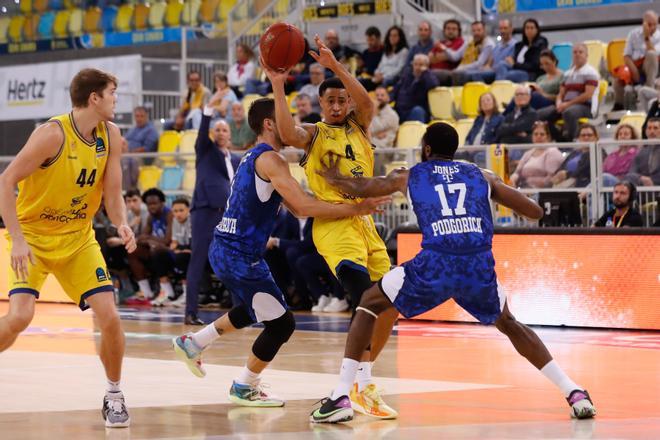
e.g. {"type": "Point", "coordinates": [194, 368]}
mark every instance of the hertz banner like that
{"type": "Point", "coordinates": [588, 280]}
{"type": "Point", "coordinates": [38, 91]}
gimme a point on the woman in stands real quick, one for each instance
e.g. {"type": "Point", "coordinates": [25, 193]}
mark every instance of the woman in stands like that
{"type": "Point", "coordinates": [525, 63]}
{"type": "Point", "coordinates": [243, 69]}
{"type": "Point", "coordinates": [546, 87]}
{"type": "Point", "coordinates": [483, 131]}
{"type": "Point", "coordinates": [538, 165]}
{"type": "Point", "coordinates": [223, 109]}
{"type": "Point", "coordinates": [617, 164]}
{"type": "Point", "coordinates": [393, 61]}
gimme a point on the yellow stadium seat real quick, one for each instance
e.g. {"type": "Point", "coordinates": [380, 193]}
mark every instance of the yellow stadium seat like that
{"type": "Point", "coordinates": [208, 11]}
{"type": "Point", "coordinates": [76, 21]}
{"type": "Point", "coordinates": [410, 134]}
{"type": "Point", "coordinates": [173, 13]}
{"type": "Point", "coordinates": [4, 28]}
{"type": "Point", "coordinates": [169, 143]}
{"type": "Point", "coordinates": [457, 91]}
{"type": "Point", "coordinates": [61, 26]}
{"type": "Point", "coordinates": [157, 14]}
{"type": "Point", "coordinates": [441, 102]}
{"type": "Point", "coordinates": [189, 175]}
{"type": "Point", "coordinates": [397, 198]}
{"type": "Point", "coordinates": [463, 127]}
{"type": "Point", "coordinates": [40, 5]}
{"type": "Point", "coordinates": [30, 27]}
{"type": "Point", "coordinates": [149, 177]}
{"type": "Point", "coordinates": [26, 6]}
{"type": "Point", "coordinates": [635, 119]}
{"type": "Point", "coordinates": [16, 28]}
{"type": "Point", "coordinates": [595, 48]}
{"type": "Point", "coordinates": [472, 91]}
{"type": "Point", "coordinates": [248, 100]}
{"type": "Point", "coordinates": [187, 144]}
{"type": "Point", "coordinates": [190, 13]}
{"type": "Point", "coordinates": [503, 91]}
{"type": "Point", "coordinates": [91, 20]}
{"type": "Point", "coordinates": [141, 17]}
{"type": "Point", "coordinates": [224, 8]}
{"type": "Point", "coordinates": [615, 54]}
{"type": "Point", "coordinates": [291, 99]}
{"type": "Point", "coordinates": [124, 17]}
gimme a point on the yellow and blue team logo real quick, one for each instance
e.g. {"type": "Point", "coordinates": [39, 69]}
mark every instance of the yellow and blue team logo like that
{"type": "Point", "coordinates": [100, 147]}
{"type": "Point", "coordinates": [101, 275]}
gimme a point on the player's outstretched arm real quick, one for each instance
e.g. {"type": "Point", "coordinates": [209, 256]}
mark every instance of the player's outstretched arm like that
{"type": "Point", "coordinates": [397, 180]}
{"type": "Point", "coordinates": [273, 167]}
{"type": "Point", "coordinates": [290, 133]}
{"type": "Point", "coordinates": [44, 145]}
{"type": "Point", "coordinates": [512, 198]}
{"type": "Point", "coordinates": [364, 106]}
{"type": "Point", "coordinates": [112, 194]}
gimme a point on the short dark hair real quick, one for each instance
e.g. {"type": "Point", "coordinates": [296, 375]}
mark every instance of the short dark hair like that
{"type": "Point", "coordinates": [303, 96]}
{"type": "Point", "coordinates": [330, 83]}
{"type": "Point", "coordinates": [181, 201]}
{"type": "Point", "coordinates": [372, 31]}
{"type": "Point", "coordinates": [132, 193]}
{"type": "Point", "coordinates": [478, 22]}
{"type": "Point", "coordinates": [153, 192]}
{"type": "Point", "coordinates": [142, 109]}
{"type": "Point", "coordinates": [653, 120]}
{"type": "Point", "coordinates": [86, 82]}
{"type": "Point", "coordinates": [454, 21]}
{"type": "Point", "coordinates": [632, 189]}
{"type": "Point", "coordinates": [550, 54]}
{"type": "Point", "coordinates": [193, 72]}
{"type": "Point", "coordinates": [261, 109]}
{"type": "Point", "coordinates": [442, 138]}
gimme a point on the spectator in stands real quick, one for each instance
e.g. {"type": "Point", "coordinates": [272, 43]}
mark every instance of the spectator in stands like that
{"type": "Point", "coordinates": [478, 53]}
{"type": "Point", "coordinates": [447, 54]}
{"type": "Point", "coordinates": [221, 84]}
{"type": "Point", "coordinates": [393, 60]}
{"type": "Point", "coordinates": [411, 92]}
{"type": "Point", "coordinates": [575, 170]}
{"type": "Point", "coordinates": [385, 123]}
{"type": "Point", "coordinates": [179, 123]}
{"type": "Point", "coordinates": [242, 70]}
{"type": "Point", "coordinates": [645, 169]}
{"type": "Point", "coordinates": [546, 88]}
{"type": "Point", "coordinates": [424, 41]}
{"type": "Point", "coordinates": [341, 52]}
{"type": "Point", "coordinates": [143, 137]}
{"type": "Point", "coordinates": [215, 166]}
{"type": "Point", "coordinates": [502, 50]}
{"type": "Point", "coordinates": [524, 65]}
{"type": "Point", "coordinates": [372, 55]}
{"type": "Point", "coordinates": [654, 108]}
{"type": "Point", "coordinates": [136, 211]}
{"type": "Point", "coordinates": [617, 164]}
{"type": "Point", "coordinates": [180, 244]}
{"type": "Point", "coordinates": [304, 112]}
{"type": "Point", "coordinates": [316, 77]}
{"type": "Point", "coordinates": [578, 95]}
{"type": "Point", "coordinates": [538, 165]}
{"type": "Point", "coordinates": [242, 136]}
{"type": "Point", "coordinates": [196, 97]}
{"type": "Point", "coordinates": [153, 256]}
{"type": "Point", "coordinates": [517, 125]}
{"type": "Point", "coordinates": [640, 56]}
{"type": "Point", "coordinates": [623, 214]}
{"type": "Point", "coordinates": [484, 129]}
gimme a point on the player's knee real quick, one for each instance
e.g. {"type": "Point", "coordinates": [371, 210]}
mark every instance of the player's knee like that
{"type": "Point", "coordinates": [506, 323]}
{"type": "Point", "coordinates": [282, 328]}
{"type": "Point", "coordinates": [109, 322]}
{"type": "Point", "coordinates": [19, 320]}
{"type": "Point", "coordinates": [354, 281]}
{"type": "Point", "coordinates": [375, 303]}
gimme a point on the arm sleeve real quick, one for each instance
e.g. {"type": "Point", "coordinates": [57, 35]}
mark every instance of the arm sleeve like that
{"type": "Point", "coordinates": [203, 142]}
{"type": "Point", "coordinates": [151, 142]}
{"type": "Point", "coordinates": [456, 55]}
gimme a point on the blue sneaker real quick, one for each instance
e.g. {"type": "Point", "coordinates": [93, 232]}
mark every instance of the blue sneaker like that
{"type": "Point", "coordinates": [252, 395]}
{"type": "Point", "coordinates": [188, 352]}
{"type": "Point", "coordinates": [333, 411]}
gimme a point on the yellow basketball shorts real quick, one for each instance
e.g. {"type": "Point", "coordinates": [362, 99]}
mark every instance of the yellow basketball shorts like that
{"type": "Point", "coordinates": [351, 241]}
{"type": "Point", "coordinates": [76, 261]}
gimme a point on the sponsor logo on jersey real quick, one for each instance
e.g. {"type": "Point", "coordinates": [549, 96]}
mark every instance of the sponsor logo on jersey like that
{"type": "Point", "coordinates": [100, 147]}
{"type": "Point", "coordinates": [77, 200]}
{"type": "Point", "coordinates": [100, 275]}
{"type": "Point", "coordinates": [64, 215]}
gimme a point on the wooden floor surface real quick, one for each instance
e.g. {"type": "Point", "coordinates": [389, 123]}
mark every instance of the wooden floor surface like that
{"type": "Point", "coordinates": [446, 380]}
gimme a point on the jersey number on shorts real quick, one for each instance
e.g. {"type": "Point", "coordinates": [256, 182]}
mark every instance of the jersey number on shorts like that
{"type": "Point", "coordinates": [83, 180]}
{"type": "Point", "coordinates": [460, 203]}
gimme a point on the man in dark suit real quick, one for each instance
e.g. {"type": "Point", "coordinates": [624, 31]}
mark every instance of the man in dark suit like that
{"type": "Point", "coordinates": [215, 167]}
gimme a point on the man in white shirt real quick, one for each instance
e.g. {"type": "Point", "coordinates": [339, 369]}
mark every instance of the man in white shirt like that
{"type": "Point", "coordinates": [316, 77]}
{"type": "Point", "coordinates": [385, 123]}
{"type": "Point", "coordinates": [640, 56]}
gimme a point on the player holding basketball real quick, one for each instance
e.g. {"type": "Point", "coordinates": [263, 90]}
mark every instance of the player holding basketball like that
{"type": "Point", "coordinates": [261, 182]}
{"type": "Point", "coordinates": [351, 246]}
{"type": "Point", "coordinates": [451, 200]}
{"type": "Point", "coordinates": [67, 165]}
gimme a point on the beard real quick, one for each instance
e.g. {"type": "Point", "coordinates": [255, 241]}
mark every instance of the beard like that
{"type": "Point", "coordinates": [618, 204]}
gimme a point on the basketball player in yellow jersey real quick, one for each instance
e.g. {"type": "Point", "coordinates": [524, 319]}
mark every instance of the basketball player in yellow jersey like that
{"type": "Point", "coordinates": [351, 246]}
{"type": "Point", "coordinates": [67, 165]}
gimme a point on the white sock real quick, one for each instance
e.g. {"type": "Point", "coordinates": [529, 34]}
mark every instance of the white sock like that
{"type": "Point", "coordinates": [113, 387]}
{"type": "Point", "coordinates": [363, 376]}
{"type": "Point", "coordinates": [145, 288]}
{"type": "Point", "coordinates": [184, 286]}
{"type": "Point", "coordinates": [553, 371]}
{"type": "Point", "coordinates": [248, 377]}
{"type": "Point", "coordinates": [349, 368]}
{"type": "Point", "coordinates": [205, 336]}
{"type": "Point", "coordinates": [167, 288]}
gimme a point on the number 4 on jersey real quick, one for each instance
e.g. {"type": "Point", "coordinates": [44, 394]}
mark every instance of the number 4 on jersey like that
{"type": "Point", "coordinates": [84, 180]}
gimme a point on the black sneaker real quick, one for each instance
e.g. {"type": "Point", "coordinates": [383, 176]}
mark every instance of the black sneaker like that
{"type": "Point", "coordinates": [333, 411]}
{"type": "Point", "coordinates": [114, 411]}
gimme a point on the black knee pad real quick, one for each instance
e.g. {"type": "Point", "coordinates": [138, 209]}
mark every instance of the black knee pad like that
{"type": "Point", "coordinates": [239, 317]}
{"type": "Point", "coordinates": [277, 333]}
{"type": "Point", "coordinates": [355, 282]}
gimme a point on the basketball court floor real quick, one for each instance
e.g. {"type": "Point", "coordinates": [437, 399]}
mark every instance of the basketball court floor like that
{"type": "Point", "coordinates": [455, 381]}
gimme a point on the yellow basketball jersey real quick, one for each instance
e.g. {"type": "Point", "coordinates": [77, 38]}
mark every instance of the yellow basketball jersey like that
{"type": "Point", "coordinates": [349, 142]}
{"type": "Point", "coordinates": [63, 195]}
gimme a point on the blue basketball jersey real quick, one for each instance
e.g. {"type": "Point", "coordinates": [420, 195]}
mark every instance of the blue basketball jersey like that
{"type": "Point", "coordinates": [452, 203]}
{"type": "Point", "coordinates": [251, 210]}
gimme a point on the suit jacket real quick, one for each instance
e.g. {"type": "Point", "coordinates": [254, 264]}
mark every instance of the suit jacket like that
{"type": "Point", "coordinates": [212, 185]}
{"type": "Point", "coordinates": [508, 130]}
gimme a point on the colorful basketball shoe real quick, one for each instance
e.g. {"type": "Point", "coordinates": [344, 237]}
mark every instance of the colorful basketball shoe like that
{"type": "Point", "coordinates": [369, 402]}
{"type": "Point", "coordinates": [188, 352]}
{"type": "Point", "coordinates": [581, 405]}
{"type": "Point", "coordinates": [333, 411]}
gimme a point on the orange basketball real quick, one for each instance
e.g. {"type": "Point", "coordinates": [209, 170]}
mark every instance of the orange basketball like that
{"type": "Point", "coordinates": [282, 46]}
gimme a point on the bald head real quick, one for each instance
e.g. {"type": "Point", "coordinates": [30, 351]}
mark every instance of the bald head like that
{"type": "Point", "coordinates": [522, 96]}
{"type": "Point", "coordinates": [424, 31]}
{"type": "Point", "coordinates": [237, 112]}
{"type": "Point", "coordinates": [331, 39]}
{"type": "Point", "coordinates": [650, 22]}
{"type": "Point", "coordinates": [580, 54]}
{"type": "Point", "coordinates": [221, 134]}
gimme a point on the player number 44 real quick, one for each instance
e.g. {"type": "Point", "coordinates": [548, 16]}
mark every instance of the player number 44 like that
{"type": "Point", "coordinates": [83, 179]}
{"type": "Point", "coordinates": [460, 203]}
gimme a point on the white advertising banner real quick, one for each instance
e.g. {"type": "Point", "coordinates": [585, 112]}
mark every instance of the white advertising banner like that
{"type": "Point", "coordinates": [38, 91]}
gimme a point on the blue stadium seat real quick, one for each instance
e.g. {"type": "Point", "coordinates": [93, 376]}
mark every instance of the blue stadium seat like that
{"type": "Point", "coordinates": [171, 178]}
{"type": "Point", "coordinates": [56, 4]}
{"type": "Point", "coordinates": [564, 53]}
{"type": "Point", "coordinates": [45, 28]}
{"type": "Point", "coordinates": [108, 18]}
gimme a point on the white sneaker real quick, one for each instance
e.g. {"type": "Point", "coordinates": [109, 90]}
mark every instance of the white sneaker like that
{"type": "Point", "coordinates": [336, 305]}
{"type": "Point", "coordinates": [160, 300]}
{"type": "Point", "coordinates": [324, 300]}
{"type": "Point", "coordinates": [179, 302]}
